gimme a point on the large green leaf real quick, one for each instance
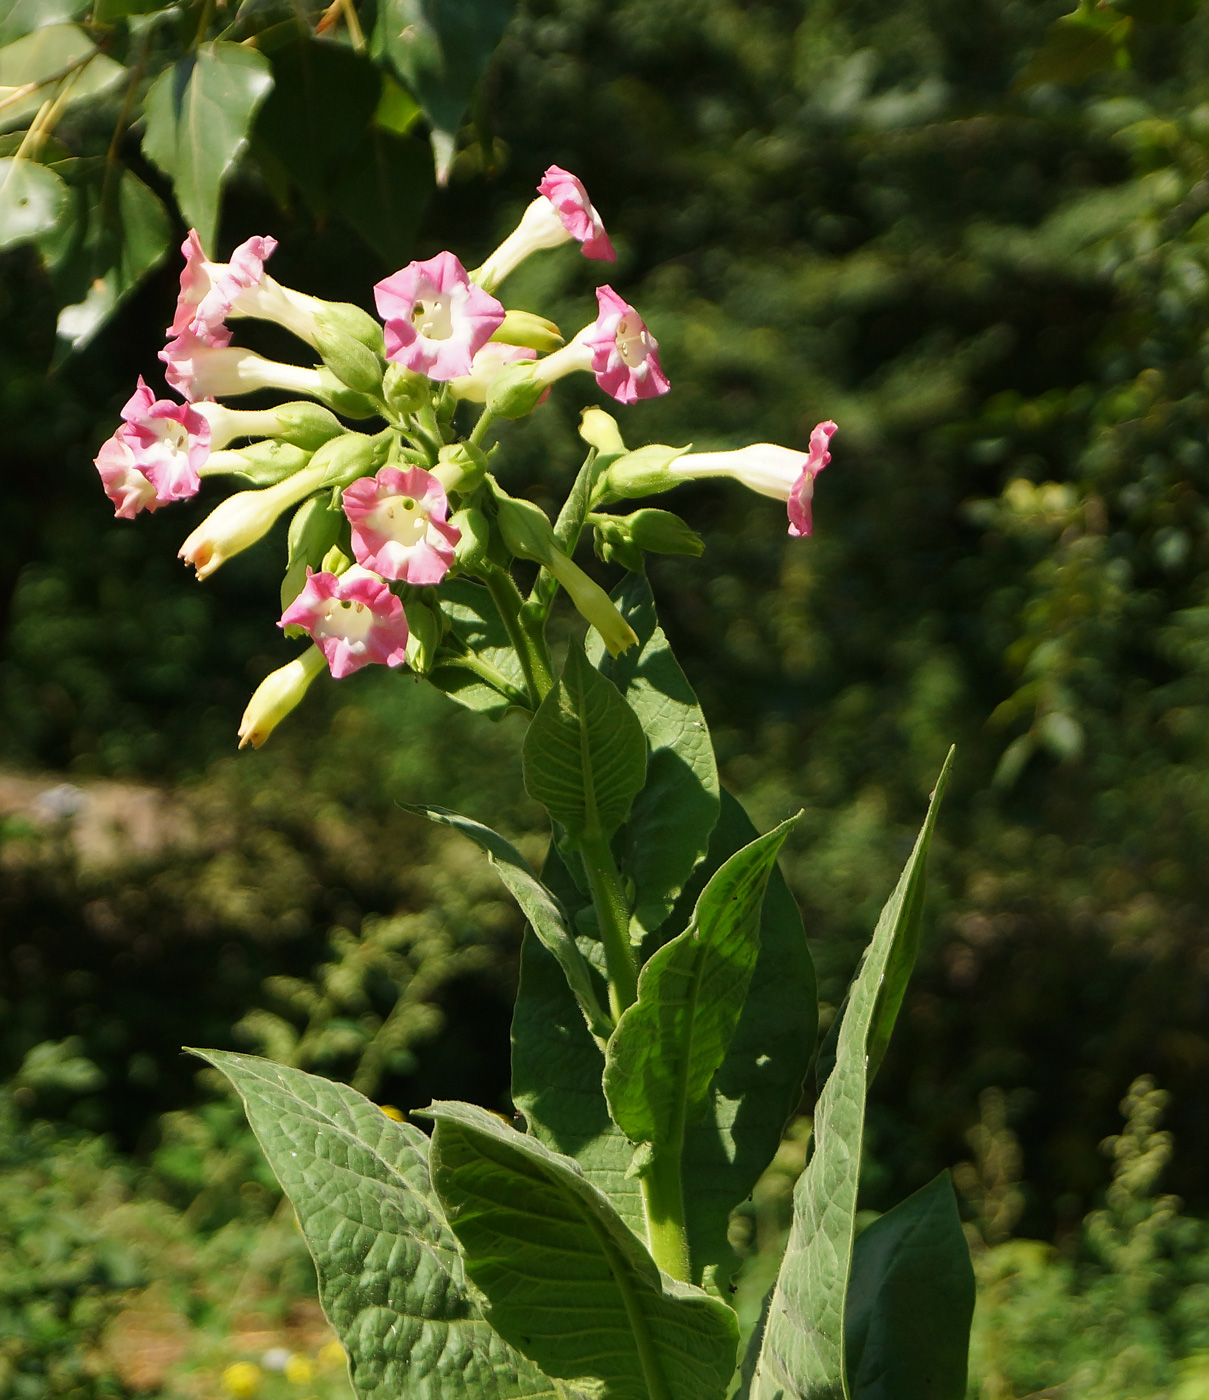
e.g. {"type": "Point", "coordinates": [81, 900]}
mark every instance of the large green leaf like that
{"type": "Point", "coordinates": [21, 17]}
{"type": "Point", "coordinates": [62, 52]}
{"type": "Point", "coordinates": [565, 1281]}
{"type": "Point", "coordinates": [540, 907]}
{"type": "Point", "coordinates": [391, 1277]}
{"type": "Point", "coordinates": [557, 1068]}
{"type": "Point", "coordinates": [478, 631]}
{"type": "Point", "coordinates": [910, 1301]}
{"type": "Point", "coordinates": [670, 823]}
{"type": "Point", "coordinates": [440, 49]}
{"type": "Point", "coordinates": [661, 1061]}
{"type": "Point", "coordinates": [803, 1350]}
{"type": "Point", "coordinates": [199, 113]}
{"type": "Point", "coordinates": [32, 200]}
{"type": "Point", "coordinates": [585, 753]}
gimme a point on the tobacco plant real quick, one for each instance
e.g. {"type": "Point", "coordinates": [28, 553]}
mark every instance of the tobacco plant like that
{"type": "Point", "coordinates": [666, 1018]}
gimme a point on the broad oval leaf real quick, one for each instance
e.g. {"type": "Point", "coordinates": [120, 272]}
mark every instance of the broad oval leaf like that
{"type": "Point", "coordinates": [803, 1349]}
{"type": "Point", "coordinates": [391, 1278]}
{"type": "Point", "coordinates": [565, 1280]}
{"type": "Point", "coordinates": [32, 200]}
{"type": "Point", "coordinates": [668, 1046]}
{"type": "Point", "coordinates": [910, 1301]}
{"type": "Point", "coordinates": [669, 825]}
{"type": "Point", "coordinates": [199, 113]}
{"type": "Point", "coordinates": [584, 756]}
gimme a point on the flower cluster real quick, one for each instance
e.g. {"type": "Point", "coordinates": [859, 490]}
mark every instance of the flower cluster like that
{"type": "Point", "coordinates": [383, 519]}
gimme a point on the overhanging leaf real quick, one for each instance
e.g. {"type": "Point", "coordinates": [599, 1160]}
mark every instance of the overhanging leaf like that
{"type": "Point", "coordinates": [584, 755]}
{"type": "Point", "coordinates": [384, 192]}
{"type": "Point", "coordinates": [564, 1279]}
{"type": "Point", "coordinates": [391, 1278]}
{"type": "Point", "coordinates": [199, 113]}
{"type": "Point", "coordinates": [662, 1058]}
{"type": "Point", "coordinates": [60, 52]}
{"type": "Point", "coordinates": [32, 200]}
{"type": "Point", "coordinates": [539, 906]}
{"type": "Point", "coordinates": [910, 1301]}
{"type": "Point", "coordinates": [803, 1350]}
{"type": "Point", "coordinates": [21, 17]}
{"type": "Point", "coordinates": [669, 825]}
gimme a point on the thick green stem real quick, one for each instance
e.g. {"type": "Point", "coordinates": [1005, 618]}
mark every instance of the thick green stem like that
{"type": "Point", "coordinates": [479, 431]}
{"type": "Point", "coordinates": [614, 920]}
{"type": "Point", "coordinates": [663, 1198]}
{"type": "Point", "coordinates": [530, 648]}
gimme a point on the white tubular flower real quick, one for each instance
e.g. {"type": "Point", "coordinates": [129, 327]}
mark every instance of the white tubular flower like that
{"type": "Point", "coordinates": [197, 370]}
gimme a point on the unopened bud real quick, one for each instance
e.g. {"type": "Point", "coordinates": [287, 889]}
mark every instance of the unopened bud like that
{"type": "Point", "coordinates": [641, 473]}
{"type": "Point", "coordinates": [277, 695]}
{"type": "Point", "coordinates": [423, 635]}
{"type": "Point", "coordinates": [348, 457]}
{"type": "Point", "coordinates": [267, 463]}
{"type": "Point", "coordinates": [470, 552]}
{"type": "Point", "coordinates": [515, 390]}
{"type": "Point", "coordinates": [614, 544]}
{"type": "Point", "coordinates": [661, 532]}
{"type": "Point", "coordinates": [349, 360]}
{"type": "Point", "coordinates": [599, 430]}
{"type": "Point", "coordinates": [460, 466]}
{"type": "Point", "coordinates": [405, 390]}
{"type": "Point", "coordinates": [532, 331]}
{"type": "Point", "coordinates": [350, 320]}
{"type": "Point", "coordinates": [525, 527]}
{"type": "Point", "coordinates": [331, 390]}
{"type": "Point", "coordinates": [307, 425]}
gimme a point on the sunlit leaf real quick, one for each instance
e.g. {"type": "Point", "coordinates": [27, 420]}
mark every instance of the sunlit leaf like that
{"type": "Point", "coordinates": [53, 52]}
{"type": "Point", "coordinates": [32, 200]}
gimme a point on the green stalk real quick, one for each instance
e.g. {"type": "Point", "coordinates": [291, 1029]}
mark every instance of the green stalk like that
{"type": "Point", "coordinates": [613, 917]}
{"type": "Point", "coordinates": [663, 1199]}
{"type": "Point", "coordinates": [479, 431]}
{"type": "Point", "coordinates": [530, 649]}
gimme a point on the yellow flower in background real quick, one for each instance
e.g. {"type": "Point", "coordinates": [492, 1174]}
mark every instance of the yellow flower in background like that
{"type": "Point", "coordinates": [331, 1354]}
{"type": "Point", "coordinates": [241, 1380]}
{"type": "Point", "coordinates": [299, 1370]}
{"type": "Point", "coordinates": [391, 1112]}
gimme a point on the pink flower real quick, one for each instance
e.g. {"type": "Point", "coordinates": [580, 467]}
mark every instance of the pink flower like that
{"type": "Point", "coordinates": [436, 319]}
{"type": "Point", "coordinates": [485, 366]}
{"type": "Point", "coordinates": [802, 490]}
{"type": "Point", "coordinates": [353, 618]}
{"type": "Point", "coordinates": [625, 355]}
{"type": "Point", "coordinates": [209, 291]}
{"type": "Point", "coordinates": [162, 442]}
{"type": "Point", "coordinates": [579, 217]}
{"type": "Point", "coordinates": [200, 369]}
{"type": "Point", "coordinates": [399, 529]}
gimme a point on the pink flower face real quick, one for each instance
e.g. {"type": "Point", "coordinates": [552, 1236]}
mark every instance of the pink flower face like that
{"type": "Point", "coordinates": [155, 456]}
{"type": "Point", "coordinates": [436, 319]}
{"type": "Point", "coordinates": [353, 618]}
{"type": "Point", "coordinates": [209, 290]}
{"type": "Point", "coordinates": [802, 491]}
{"type": "Point", "coordinates": [625, 355]}
{"type": "Point", "coordinates": [399, 528]}
{"type": "Point", "coordinates": [566, 192]}
{"type": "Point", "coordinates": [179, 357]}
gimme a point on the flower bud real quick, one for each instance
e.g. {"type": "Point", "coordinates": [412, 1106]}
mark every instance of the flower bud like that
{"type": "Point", "coordinates": [349, 360]}
{"type": "Point", "coordinates": [306, 425]}
{"type": "Point", "coordinates": [641, 473]}
{"type": "Point", "coordinates": [599, 430]}
{"type": "Point", "coordinates": [406, 391]}
{"type": "Point", "coordinates": [460, 466]}
{"type": "Point", "coordinates": [330, 390]}
{"type": "Point", "coordinates": [267, 463]}
{"type": "Point", "coordinates": [614, 544]}
{"type": "Point", "coordinates": [277, 695]}
{"type": "Point", "coordinates": [470, 552]}
{"type": "Point", "coordinates": [525, 527]}
{"type": "Point", "coordinates": [661, 532]}
{"type": "Point", "coordinates": [424, 635]}
{"type": "Point", "coordinates": [526, 328]}
{"type": "Point", "coordinates": [348, 457]}
{"type": "Point", "coordinates": [515, 390]}
{"type": "Point", "coordinates": [346, 319]}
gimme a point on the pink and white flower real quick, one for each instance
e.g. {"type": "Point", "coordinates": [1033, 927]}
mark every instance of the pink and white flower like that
{"type": "Point", "coordinates": [155, 456]}
{"type": "Point", "coordinates": [485, 366]}
{"type": "Point", "coordinates": [625, 355]}
{"type": "Point", "coordinates": [577, 212]}
{"type": "Point", "coordinates": [353, 618]}
{"type": "Point", "coordinates": [206, 368]}
{"type": "Point", "coordinates": [399, 525]}
{"type": "Point", "coordinates": [436, 319]}
{"type": "Point", "coordinates": [212, 291]}
{"type": "Point", "coordinates": [770, 470]}
{"type": "Point", "coordinates": [562, 211]}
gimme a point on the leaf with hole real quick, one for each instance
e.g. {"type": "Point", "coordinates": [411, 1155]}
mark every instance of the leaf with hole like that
{"type": "Point", "coordinates": [32, 200]}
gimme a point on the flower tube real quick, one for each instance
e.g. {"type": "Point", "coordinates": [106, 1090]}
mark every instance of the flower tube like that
{"type": "Point", "coordinates": [399, 525]}
{"type": "Point", "coordinates": [201, 369]}
{"type": "Point", "coordinates": [436, 320]}
{"type": "Point", "coordinates": [212, 291]}
{"type": "Point", "coordinates": [562, 211]}
{"type": "Point", "coordinates": [354, 619]}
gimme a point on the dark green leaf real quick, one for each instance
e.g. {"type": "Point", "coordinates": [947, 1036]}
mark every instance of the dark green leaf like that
{"type": "Point", "coordinates": [440, 49]}
{"type": "Point", "coordinates": [661, 1061]}
{"type": "Point", "coordinates": [910, 1301]}
{"type": "Point", "coordinates": [391, 1278]}
{"type": "Point", "coordinates": [803, 1350]}
{"type": "Point", "coordinates": [585, 753]}
{"type": "Point", "coordinates": [320, 107]}
{"type": "Point", "coordinates": [478, 629]}
{"type": "Point", "coordinates": [21, 17]}
{"type": "Point", "coordinates": [199, 113]}
{"type": "Point", "coordinates": [384, 192]}
{"type": "Point", "coordinates": [670, 823]}
{"type": "Point", "coordinates": [53, 51]}
{"type": "Point", "coordinates": [564, 1278]}
{"type": "Point", "coordinates": [32, 200]}
{"type": "Point", "coordinates": [540, 907]}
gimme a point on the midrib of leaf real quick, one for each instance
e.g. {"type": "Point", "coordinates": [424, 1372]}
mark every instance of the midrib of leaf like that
{"type": "Point", "coordinates": [591, 822]}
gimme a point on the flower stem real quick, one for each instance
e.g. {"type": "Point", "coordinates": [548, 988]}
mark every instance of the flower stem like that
{"type": "Point", "coordinates": [479, 431]}
{"type": "Point", "coordinates": [613, 917]}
